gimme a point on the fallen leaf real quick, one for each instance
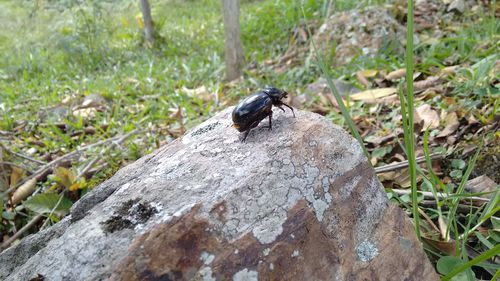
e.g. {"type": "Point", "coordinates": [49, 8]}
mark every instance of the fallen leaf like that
{"type": "Point", "coordinates": [447, 247]}
{"type": "Point", "coordinates": [457, 6]}
{"type": "Point", "coordinates": [403, 178]}
{"type": "Point", "coordinates": [387, 176]}
{"type": "Point", "coordinates": [400, 178]}
{"type": "Point", "coordinates": [25, 190]}
{"type": "Point", "coordinates": [200, 92]}
{"type": "Point", "coordinates": [481, 184]}
{"type": "Point", "coordinates": [377, 140]}
{"type": "Point", "coordinates": [15, 175]}
{"type": "Point", "coordinates": [450, 70]}
{"type": "Point", "coordinates": [368, 73]}
{"type": "Point", "coordinates": [362, 79]}
{"type": "Point", "coordinates": [85, 112]}
{"type": "Point", "coordinates": [427, 83]}
{"type": "Point", "coordinates": [93, 100]}
{"type": "Point", "coordinates": [396, 74]}
{"type": "Point", "coordinates": [427, 115]}
{"type": "Point", "coordinates": [451, 125]}
{"type": "Point", "coordinates": [372, 95]}
{"type": "Point", "coordinates": [64, 176]}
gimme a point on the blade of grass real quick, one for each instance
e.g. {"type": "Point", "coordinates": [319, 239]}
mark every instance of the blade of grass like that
{"type": "Point", "coordinates": [461, 187]}
{"type": "Point", "coordinates": [481, 221]}
{"type": "Point", "coordinates": [410, 144]}
{"type": "Point", "coordinates": [484, 256]}
{"type": "Point", "coordinates": [434, 181]}
{"type": "Point", "coordinates": [463, 251]}
{"type": "Point", "coordinates": [338, 98]}
{"type": "Point", "coordinates": [496, 276]}
{"type": "Point", "coordinates": [411, 163]}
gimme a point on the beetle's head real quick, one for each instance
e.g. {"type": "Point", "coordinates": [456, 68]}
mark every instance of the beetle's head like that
{"type": "Point", "coordinates": [275, 94]}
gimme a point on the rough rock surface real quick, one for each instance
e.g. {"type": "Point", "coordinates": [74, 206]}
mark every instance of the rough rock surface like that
{"type": "Point", "coordinates": [299, 202]}
{"type": "Point", "coordinates": [360, 32]}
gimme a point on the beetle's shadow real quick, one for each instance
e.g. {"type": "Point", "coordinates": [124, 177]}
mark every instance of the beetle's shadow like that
{"type": "Point", "coordinates": [257, 134]}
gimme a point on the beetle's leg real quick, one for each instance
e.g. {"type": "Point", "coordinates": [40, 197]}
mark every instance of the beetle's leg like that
{"type": "Point", "coordinates": [270, 120]}
{"type": "Point", "coordinates": [291, 108]}
{"type": "Point", "coordinates": [254, 124]}
{"type": "Point", "coordinates": [279, 106]}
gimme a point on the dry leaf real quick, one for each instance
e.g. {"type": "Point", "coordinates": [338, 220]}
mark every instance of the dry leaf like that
{"type": "Point", "coordinates": [15, 175]}
{"type": "Point", "coordinates": [200, 92]}
{"type": "Point", "coordinates": [131, 80]}
{"type": "Point", "coordinates": [85, 112]}
{"type": "Point", "coordinates": [368, 73]}
{"type": "Point", "coordinates": [451, 125]}
{"type": "Point", "coordinates": [447, 247]}
{"type": "Point", "coordinates": [481, 184]}
{"type": "Point", "coordinates": [443, 227]}
{"type": "Point", "coordinates": [377, 140]}
{"type": "Point", "coordinates": [403, 178]}
{"type": "Point", "coordinates": [25, 190]}
{"type": "Point", "coordinates": [449, 70]}
{"type": "Point", "coordinates": [426, 114]}
{"type": "Point", "coordinates": [362, 79]}
{"type": "Point", "coordinates": [66, 99]}
{"type": "Point", "coordinates": [93, 100]}
{"type": "Point", "coordinates": [372, 95]}
{"type": "Point", "coordinates": [387, 176]}
{"type": "Point", "coordinates": [396, 74]}
{"type": "Point", "coordinates": [430, 81]}
{"type": "Point", "coordinates": [65, 176]}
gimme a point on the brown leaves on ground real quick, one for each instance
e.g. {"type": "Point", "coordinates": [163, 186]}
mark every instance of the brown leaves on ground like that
{"type": "Point", "coordinates": [427, 117]}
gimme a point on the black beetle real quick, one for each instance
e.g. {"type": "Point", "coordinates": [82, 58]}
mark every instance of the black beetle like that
{"type": "Point", "coordinates": [254, 108]}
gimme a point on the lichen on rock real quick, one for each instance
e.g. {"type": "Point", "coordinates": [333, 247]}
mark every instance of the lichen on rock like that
{"type": "Point", "coordinates": [300, 202]}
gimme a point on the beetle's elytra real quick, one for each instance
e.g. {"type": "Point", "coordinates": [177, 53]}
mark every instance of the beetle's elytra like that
{"type": "Point", "coordinates": [254, 108]}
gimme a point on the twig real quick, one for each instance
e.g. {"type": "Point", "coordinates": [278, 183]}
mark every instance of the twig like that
{"type": "Point", "coordinates": [87, 167]}
{"type": "Point", "coordinates": [21, 155]}
{"type": "Point", "coordinates": [74, 153]}
{"type": "Point", "coordinates": [464, 209]}
{"type": "Point", "coordinates": [404, 164]}
{"type": "Point", "coordinates": [428, 219]}
{"type": "Point", "coordinates": [14, 164]}
{"type": "Point", "coordinates": [441, 195]}
{"type": "Point", "coordinates": [34, 220]}
{"type": "Point", "coordinates": [16, 235]}
{"type": "Point", "coordinates": [61, 195]}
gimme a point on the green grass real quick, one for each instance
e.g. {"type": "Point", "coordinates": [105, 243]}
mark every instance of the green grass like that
{"type": "Point", "coordinates": [408, 117]}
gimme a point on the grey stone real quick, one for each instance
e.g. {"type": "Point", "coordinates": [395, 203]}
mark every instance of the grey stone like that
{"type": "Point", "coordinates": [299, 202]}
{"type": "Point", "coordinates": [457, 6]}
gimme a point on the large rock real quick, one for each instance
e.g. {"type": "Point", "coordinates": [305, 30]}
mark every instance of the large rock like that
{"type": "Point", "coordinates": [299, 202]}
{"type": "Point", "coordinates": [359, 32]}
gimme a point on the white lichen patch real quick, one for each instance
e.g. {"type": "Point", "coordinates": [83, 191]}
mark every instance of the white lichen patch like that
{"type": "Point", "coordinates": [366, 251]}
{"type": "Point", "coordinates": [122, 188]}
{"type": "Point", "coordinates": [207, 274]}
{"type": "Point", "coordinates": [375, 202]}
{"type": "Point", "coordinates": [295, 253]}
{"type": "Point", "coordinates": [266, 251]}
{"type": "Point", "coordinates": [271, 266]}
{"type": "Point", "coordinates": [207, 258]}
{"type": "Point", "coordinates": [319, 208]}
{"type": "Point", "coordinates": [183, 210]}
{"type": "Point", "coordinates": [269, 230]}
{"type": "Point", "coordinates": [246, 275]}
{"type": "Point", "coordinates": [312, 173]}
